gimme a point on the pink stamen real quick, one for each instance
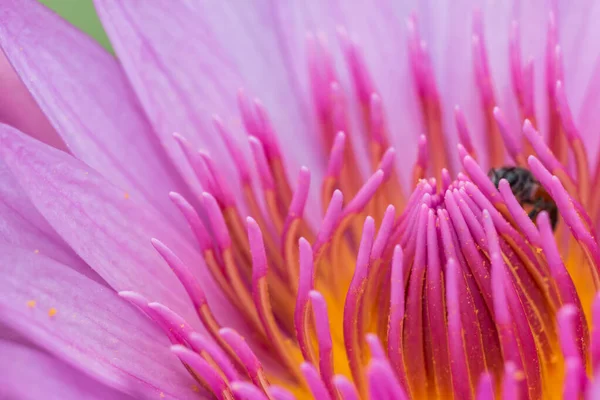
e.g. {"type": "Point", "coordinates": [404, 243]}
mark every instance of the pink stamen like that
{"type": "Point", "coordinates": [195, 161]}
{"type": "Point", "coordinates": [462, 153]}
{"type": "Point", "coordinates": [558, 63]}
{"type": "Point", "coordinates": [243, 351]}
{"type": "Point", "coordinates": [446, 180]}
{"type": "Point", "coordinates": [185, 276]}
{"type": "Point", "coordinates": [142, 303]}
{"type": "Point", "coordinates": [575, 379]}
{"type": "Point", "coordinates": [262, 165]}
{"type": "Point", "coordinates": [345, 388]}
{"type": "Point", "coordinates": [363, 83]}
{"type": "Point", "coordinates": [279, 393]}
{"type": "Point", "coordinates": [463, 131]}
{"type": "Point", "coordinates": [559, 273]}
{"type": "Point", "coordinates": [528, 89]}
{"type": "Point", "coordinates": [395, 327]}
{"type": "Point", "coordinates": [469, 248]}
{"type": "Point", "coordinates": [199, 343]}
{"type": "Point", "coordinates": [569, 343]}
{"type": "Point", "coordinates": [300, 196]}
{"type": "Point", "coordinates": [519, 214]}
{"type": "Point", "coordinates": [321, 72]}
{"type": "Point", "coordinates": [353, 300]}
{"type": "Point", "coordinates": [482, 69]}
{"type": "Point", "coordinates": [375, 347]}
{"type": "Point", "coordinates": [387, 162]}
{"type": "Point", "coordinates": [376, 120]}
{"type": "Point", "coordinates": [469, 210]}
{"type": "Point", "coordinates": [233, 149]}
{"type": "Point", "coordinates": [503, 294]}
{"type": "Point", "coordinates": [434, 303]}
{"type": "Point", "coordinates": [541, 148]}
{"type": "Point", "coordinates": [382, 382]}
{"type": "Point", "coordinates": [305, 285]}
{"type": "Point", "coordinates": [268, 135]}
{"type": "Point", "coordinates": [565, 113]}
{"type": "Point", "coordinates": [323, 331]}
{"type": "Point", "coordinates": [203, 369]}
{"type": "Point", "coordinates": [221, 187]}
{"type": "Point", "coordinates": [247, 391]}
{"type": "Point", "coordinates": [193, 219]}
{"type": "Point", "coordinates": [501, 311]}
{"type": "Point", "coordinates": [315, 384]}
{"type": "Point", "coordinates": [459, 367]}
{"type": "Point", "coordinates": [571, 208]}
{"type": "Point", "coordinates": [512, 385]}
{"type": "Point", "coordinates": [139, 301]}
{"type": "Point", "coordinates": [414, 47]}
{"type": "Point", "coordinates": [510, 142]}
{"type": "Point", "coordinates": [384, 233]}
{"type": "Point", "coordinates": [569, 211]}
{"type": "Point", "coordinates": [257, 249]}
{"type": "Point", "coordinates": [365, 194]}
{"type": "Point", "coordinates": [421, 62]}
{"type": "Point", "coordinates": [339, 115]}
{"type": "Point", "coordinates": [595, 336]}
{"type": "Point", "coordinates": [414, 336]}
{"type": "Point", "coordinates": [485, 388]}
{"type": "Point", "coordinates": [422, 158]}
{"type": "Point", "coordinates": [217, 221]}
{"type": "Point", "coordinates": [332, 217]}
{"type": "Point", "coordinates": [480, 179]}
{"type": "Point", "coordinates": [336, 156]}
{"type": "Point", "coordinates": [171, 322]}
{"type": "Point", "coordinates": [251, 123]}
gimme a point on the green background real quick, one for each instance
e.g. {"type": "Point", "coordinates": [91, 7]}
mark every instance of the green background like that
{"type": "Point", "coordinates": [82, 14]}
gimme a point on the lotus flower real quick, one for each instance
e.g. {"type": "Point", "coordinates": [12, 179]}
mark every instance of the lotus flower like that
{"type": "Point", "coordinates": [337, 239]}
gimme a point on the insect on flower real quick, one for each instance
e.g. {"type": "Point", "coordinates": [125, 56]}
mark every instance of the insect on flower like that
{"type": "Point", "coordinates": [527, 190]}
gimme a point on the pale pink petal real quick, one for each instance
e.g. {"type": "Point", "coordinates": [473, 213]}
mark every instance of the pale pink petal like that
{"type": "Point", "coordinates": [187, 60]}
{"type": "Point", "coordinates": [88, 326]}
{"type": "Point", "coordinates": [107, 227]}
{"type": "Point", "coordinates": [579, 40]}
{"type": "Point", "coordinates": [30, 374]}
{"type": "Point", "coordinates": [19, 109]}
{"type": "Point", "coordinates": [23, 226]}
{"type": "Point", "coordinates": [84, 93]}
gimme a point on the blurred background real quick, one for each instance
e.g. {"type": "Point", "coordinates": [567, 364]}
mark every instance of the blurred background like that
{"type": "Point", "coordinates": [82, 14]}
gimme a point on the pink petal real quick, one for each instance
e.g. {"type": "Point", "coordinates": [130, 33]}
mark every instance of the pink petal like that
{"type": "Point", "coordinates": [30, 374]}
{"type": "Point", "coordinates": [86, 325]}
{"type": "Point", "coordinates": [578, 29]}
{"type": "Point", "coordinates": [107, 227]}
{"type": "Point", "coordinates": [23, 226]}
{"type": "Point", "coordinates": [84, 93]}
{"type": "Point", "coordinates": [187, 60]}
{"type": "Point", "coordinates": [19, 109]}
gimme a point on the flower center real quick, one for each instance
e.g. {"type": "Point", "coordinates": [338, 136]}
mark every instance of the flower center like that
{"type": "Point", "coordinates": [424, 295]}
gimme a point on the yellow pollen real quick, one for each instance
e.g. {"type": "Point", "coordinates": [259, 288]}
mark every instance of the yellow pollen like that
{"type": "Point", "coordinates": [162, 395]}
{"type": "Point", "coordinates": [31, 303]}
{"type": "Point", "coordinates": [36, 251]}
{"type": "Point", "coordinates": [195, 388]}
{"type": "Point", "coordinates": [52, 312]}
{"type": "Point", "coordinates": [126, 195]}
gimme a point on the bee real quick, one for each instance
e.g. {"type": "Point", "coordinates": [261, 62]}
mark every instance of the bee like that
{"type": "Point", "coordinates": [527, 190]}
